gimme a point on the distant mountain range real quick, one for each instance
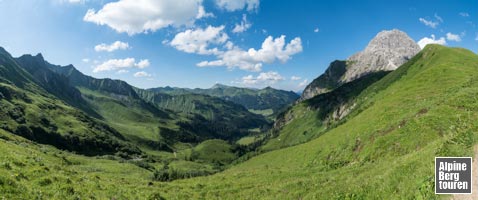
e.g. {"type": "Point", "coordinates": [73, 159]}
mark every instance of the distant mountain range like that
{"type": "Point", "coordinates": [148, 118]}
{"type": "Point", "coordinates": [267, 101]}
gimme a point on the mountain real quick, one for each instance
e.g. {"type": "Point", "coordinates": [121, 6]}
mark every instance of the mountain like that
{"type": "Point", "coordinates": [267, 101]}
{"type": "Point", "coordinates": [171, 137]}
{"type": "Point", "coordinates": [28, 109]}
{"type": "Point", "coordinates": [383, 149]}
{"type": "Point", "coordinates": [385, 52]}
{"type": "Point", "coordinates": [223, 119]}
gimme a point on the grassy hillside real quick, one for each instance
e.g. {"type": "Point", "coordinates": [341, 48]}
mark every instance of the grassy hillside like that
{"type": "Point", "coordinates": [383, 149]}
{"type": "Point", "coordinates": [386, 147]}
{"type": "Point", "coordinates": [310, 118]}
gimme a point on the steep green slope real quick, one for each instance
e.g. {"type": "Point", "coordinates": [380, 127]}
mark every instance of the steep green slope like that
{"type": "Point", "coordinates": [310, 118]}
{"type": "Point", "coordinates": [268, 100]}
{"type": "Point", "coordinates": [113, 101]}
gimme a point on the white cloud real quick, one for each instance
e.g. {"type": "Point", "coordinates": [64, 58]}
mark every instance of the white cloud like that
{"type": "Point", "coordinates": [142, 64]}
{"type": "Point", "coordinates": [453, 37]}
{"type": "Point", "coordinates": [476, 38]}
{"type": "Point", "coordinates": [120, 64]}
{"type": "Point", "coordinates": [252, 59]}
{"type": "Point", "coordinates": [464, 14]}
{"type": "Point", "coordinates": [118, 45]}
{"type": "Point", "coordinates": [429, 23]}
{"type": "Point", "coordinates": [270, 77]}
{"type": "Point", "coordinates": [295, 78]}
{"type": "Point", "coordinates": [141, 16]}
{"type": "Point", "coordinates": [233, 5]}
{"type": "Point", "coordinates": [199, 40]}
{"type": "Point", "coordinates": [202, 13]}
{"type": "Point", "coordinates": [141, 74]}
{"type": "Point", "coordinates": [243, 26]}
{"type": "Point", "coordinates": [316, 30]}
{"type": "Point", "coordinates": [303, 83]}
{"type": "Point", "coordinates": [426, 40]}
{"type": "Point", "coordinates": [85, 60]}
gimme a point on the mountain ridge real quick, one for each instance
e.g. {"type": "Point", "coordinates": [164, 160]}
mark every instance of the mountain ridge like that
{"type": "Point", "coordinates": [253, 99]}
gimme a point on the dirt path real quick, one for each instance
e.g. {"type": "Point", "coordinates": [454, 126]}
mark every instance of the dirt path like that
{"type": "Point", "coordinates": [474, 187]}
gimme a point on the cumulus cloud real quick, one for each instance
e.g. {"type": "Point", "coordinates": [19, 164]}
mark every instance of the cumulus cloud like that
{"type": "Point", "coordinates": [142, 64]}
{"type": "Point", "coordinates": [121, 64]}
{"type": "Point", "coordinates": [453, 37]}
{"type": "Point", "coordinates": [243, 26]}
{"type": "Point", "coordinates": [85, 60]}
{"type": "Point", "coordinates": [202, 13]}
{"type": "Point", "coordinates": [252, 59]}
{"type": "Point", "coordinates": [140, 16]}
{"type": "Point", "coordinates": [141, 74]}
{"type": "Point", "coordinates": [270, 77]}
{"type": "Point", "coordinates": [426, 40]}
{"type": "Point", "coordinates": [199, 40]}
{"type": "Point", "coordinates": [118, 45]}
{"type": "Point", "coordinates": [316, 30]}
{"type": "Point", "coordinates": [234, 5]}
{"type": "Point", "coordinates": [295, 78]}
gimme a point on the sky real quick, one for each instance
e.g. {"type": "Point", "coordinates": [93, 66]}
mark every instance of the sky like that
{"type": "Point", "coordinates": [245, 43]}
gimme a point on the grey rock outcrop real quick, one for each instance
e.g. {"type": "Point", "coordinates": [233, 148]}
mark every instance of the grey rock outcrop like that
{"type": "Point", "coordinates": [385, 52]}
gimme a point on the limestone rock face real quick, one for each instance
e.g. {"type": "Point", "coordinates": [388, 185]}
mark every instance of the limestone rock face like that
{"type": "Point", "coordinates": [385, 52]}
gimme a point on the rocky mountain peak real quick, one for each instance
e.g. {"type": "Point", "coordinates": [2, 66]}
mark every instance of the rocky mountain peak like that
{"type": "Point", "coordinates": [385, 52]}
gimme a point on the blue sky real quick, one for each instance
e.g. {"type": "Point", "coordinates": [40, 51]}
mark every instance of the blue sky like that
{"type": "Point", "coordinates": [197, 43]}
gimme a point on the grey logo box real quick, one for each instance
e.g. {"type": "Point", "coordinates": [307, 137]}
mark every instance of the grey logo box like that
{"type": "Point", "coordinates": [453, 175]}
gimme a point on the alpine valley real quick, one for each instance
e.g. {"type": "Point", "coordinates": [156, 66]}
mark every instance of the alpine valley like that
{"type": "Point", "coordinates": [368, 128]}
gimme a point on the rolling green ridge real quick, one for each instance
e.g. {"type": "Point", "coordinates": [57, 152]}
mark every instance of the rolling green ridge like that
{"type": "Point", "coordinates": [382, 147]}
{"type": "Point", "coordinates": [262, 101]}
